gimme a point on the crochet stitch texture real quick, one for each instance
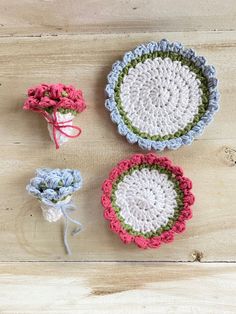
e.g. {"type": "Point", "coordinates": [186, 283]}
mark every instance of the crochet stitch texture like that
{"type": "Point", "coordinates": [54, 189]}
{"type": "Point", "coordinates": [54, 185]}
{"type": "Point", "coordinates": [65, 98]}
{"type": "Point", "coordinates": [58, 104]}
{"type": "Point", "coordinates": [162, 95]}
{"type": "Point", "coordinates": [147, 200]}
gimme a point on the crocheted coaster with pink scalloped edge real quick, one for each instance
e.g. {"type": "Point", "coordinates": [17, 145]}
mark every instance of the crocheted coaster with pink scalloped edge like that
{"type": "Point", "coordinates": [147, 200]}
{"type": "Point", "coordinates": [58, 104]}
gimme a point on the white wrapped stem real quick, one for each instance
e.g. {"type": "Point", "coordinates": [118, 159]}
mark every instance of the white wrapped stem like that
{"type": "Point", "coordinates": [62, 120]}
{"type": "Point", "coordinates": [54, 213]}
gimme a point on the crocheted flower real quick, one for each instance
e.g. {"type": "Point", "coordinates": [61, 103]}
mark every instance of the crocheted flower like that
{"type": "Point", "coordinates": [147, 200]}
{"type": "Point", "coordinates": [54, 185]}
{"type": "Point", "coordinates": [54, 189]}
{"type": "Point", "coordinates": [161, 95]}
{"type": "Point", "coordinates": [58, 104]}
{"type": "Point", "coordinates": [63, 98]}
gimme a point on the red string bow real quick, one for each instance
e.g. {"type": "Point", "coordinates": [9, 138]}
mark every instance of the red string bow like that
{"type": "Point", "coordinates": [59, 126]}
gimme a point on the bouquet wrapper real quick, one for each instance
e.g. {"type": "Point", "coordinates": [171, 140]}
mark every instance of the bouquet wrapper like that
{"type": "Point", "coordinates": [53, 213]}
{"type": "Point", "coordinates": [62, 129]}
{"type": "Point", "coordinates": [58, 104]}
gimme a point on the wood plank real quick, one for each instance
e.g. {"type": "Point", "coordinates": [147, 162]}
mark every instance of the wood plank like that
{"type": "Point", "coordinates": [107, 288]}
{"type": "Point", "coordinates": [76, 42]}
{"type": "Point", "coordinates": [26, 236]}
{"type": "Point", "coordinates": [84, 61]}
{"type": "Point", "coordinates": [30, 17]}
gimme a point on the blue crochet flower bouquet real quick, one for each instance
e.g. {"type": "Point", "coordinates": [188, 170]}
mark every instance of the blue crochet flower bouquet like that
{"type": "Point", "coordinates": [54, 189]}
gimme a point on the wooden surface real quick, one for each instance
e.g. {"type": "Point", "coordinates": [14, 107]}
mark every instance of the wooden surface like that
{"type": "Point", "coordinates": [77, 42]}
{"type": "Point", "coordinates": [118, 288]}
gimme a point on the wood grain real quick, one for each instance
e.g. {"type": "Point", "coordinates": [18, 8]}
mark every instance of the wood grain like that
{"type": "Point", "coordinates": [85, 61]}
{"type": "Point", "coordinates": [76, 42]}
{"type": "Point", "coordinates": [212, 231]}
{"type": "Point", "coordinates": [53, 17]}
{"type": "Point", "coordinates": [112, 288]}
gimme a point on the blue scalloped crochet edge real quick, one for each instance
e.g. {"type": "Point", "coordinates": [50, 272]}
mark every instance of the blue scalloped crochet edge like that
{"type": "Point", "coordinates": [163, 45]}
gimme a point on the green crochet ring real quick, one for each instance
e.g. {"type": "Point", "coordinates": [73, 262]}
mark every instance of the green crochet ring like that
{"type": "Point", "coordinates": [162, 95]}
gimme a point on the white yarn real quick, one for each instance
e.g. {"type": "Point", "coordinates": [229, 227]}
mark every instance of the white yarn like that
{"type": "Point", "coordinates": [54, 213]}
{"type": "Point", "coordinates": [160, 96]}
{"type": "Point", "coordinates": [146, 199]}
{"type": "Point", "coordinates": [62, 118]}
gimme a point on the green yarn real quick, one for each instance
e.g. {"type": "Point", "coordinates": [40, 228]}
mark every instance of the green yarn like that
{"type": "Point", "coordinates": [62, 199]}
{"type": "Point", "coordinates": [61, 110]}
{"type": "Point", "coordinates": [64, 93]}
{"type": "Point", "coordinates": [177, 211]}
{"type": "Point", "coordinates": [174, 57]}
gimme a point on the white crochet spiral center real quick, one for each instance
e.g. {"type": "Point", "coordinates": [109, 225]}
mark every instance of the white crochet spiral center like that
{"type": "Point", "coordinates": [160, 96]}
{"type": "Point", "coordinates": [147, 199]}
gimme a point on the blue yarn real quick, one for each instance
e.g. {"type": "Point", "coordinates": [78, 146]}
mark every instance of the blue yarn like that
{"type": "Point", "coordinates": [54, 184]}
{"type": "Point", "coordinates": [122, 129]}
{"type": "Point", "coordinates": [51, 187]}
{"type": "Point", "coordinates": [131, 137]}
{"type": "Point", "coordinates": [49, 194]}
{"type": "Point", "coordinates": [163, 45]}
{"type": "Point", "coordinates": [65, 209]}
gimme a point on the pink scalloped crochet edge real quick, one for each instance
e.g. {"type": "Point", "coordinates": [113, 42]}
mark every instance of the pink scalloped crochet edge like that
{"type": "Point", "coordinates": [110, 214]}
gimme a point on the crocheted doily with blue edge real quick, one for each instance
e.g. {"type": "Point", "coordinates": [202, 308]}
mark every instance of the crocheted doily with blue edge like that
{"type": "Point", "coordinates": [162, 95]}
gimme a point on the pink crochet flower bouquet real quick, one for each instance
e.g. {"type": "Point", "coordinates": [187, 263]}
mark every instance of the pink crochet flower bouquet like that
{"type": "Point", "coordinates": [147, 200]}
{"type": "Point", "coordinates": [58, 104]}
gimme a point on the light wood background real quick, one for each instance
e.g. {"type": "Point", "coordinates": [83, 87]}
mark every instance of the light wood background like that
{"type": "Point", "coordinates": [76, 42]}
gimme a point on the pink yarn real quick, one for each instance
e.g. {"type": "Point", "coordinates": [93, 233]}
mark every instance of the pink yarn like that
{"type": "Point", "coordinates": [125, 237]}
{"type": "Point", "coordinates": [154, 242]}
{"type": "Point", "coordinates": [107, 186]}
{"type": "Point", "coordinates": [124, 165]}
{"type": "Point", "coordinates": [177, 171]}
{"type": "Point", "coordinates": [46, 98]}
{"type": "Point", "coordinates": [136, 159]}
{"type": "Point", "coordinates": [185, 214]}
{"type": "Point", "coordinates": [179, 227]}
{"type": "Point", "coordinates": [189, 198]}
{"type": "Point", "coordinates": [114, 174]}
{"type": "Point", "coordinates": [115, 226]}
{"type": "Point", "coordinates": [106, 202]}
{"type": "Point", "coordinates": [54, 95]}
{"type": "Point", "coordinates": [109, 213]}
{"type": "Point", "coordinates": [167, 236]}
{"type": "Point", "coordinates": [185, 185]}
{"type": "Point", "coordinates": [141, 242]}
{"type": "Point", "coordinates": [151, 158]}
